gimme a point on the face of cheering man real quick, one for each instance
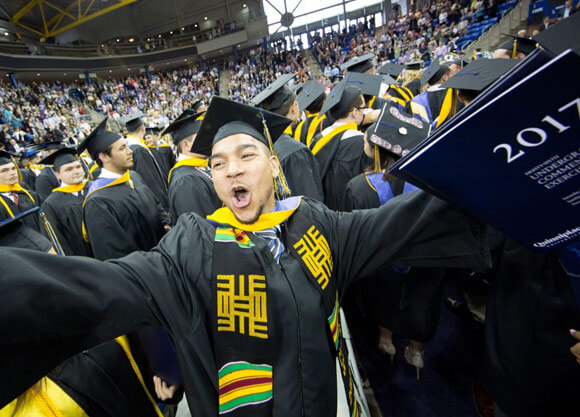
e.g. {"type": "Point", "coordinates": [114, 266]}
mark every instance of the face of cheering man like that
{"type": "Point", "coordinates": [8, 174]}
{"type": "Point", "coordinates": [119, 157]}
{"type": "Point", "coordinates": [243, 171]}
{"type": "Point", "coordinates": [71, 173]}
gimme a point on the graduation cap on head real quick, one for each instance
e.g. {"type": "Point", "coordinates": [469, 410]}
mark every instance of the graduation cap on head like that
{"type": "Point", "coordinates": [195, 106]}
{"type": "Point", "coordinates": [5, 158]}
{"type": "Point", "coordinates": [396, 131]}
{"type": "Point", "coordinates": [132, 121]}
{"type": "Point", "coordinates": [99, 140]}
{"type": "Point", "coordinates": [275, 95]}
{"type": "Point", "coordinates": [340, 99]}
{"type": "Point", "coordinates": [391, 69]}
{"type": "Point", "coordinates": [523, 45]}
{"type": "Point", "coordinates": [153, 130]}
{"type": "Point", "coordinates": [479, 74]}
{"type": "Point", "coordinates": [433, 72]}
{"type": "Point", "coordinates": [387, 79]}
{"type": "Point", "coordinates": [414, 65]}
{"type": "Point", "coordinates": [309, 93]}
{"type": "Point", "coordinates": [297, 87]}
{"type": "Point", "coordinates": [227, 117]}
{"type": "Point", "coordinates": [564, 35]}
{"type": "Point", "coordinates": [368, 84]}
{"type": "Point", "coordinates": [359, 64]}
{"type": "Point", "coordinates": [61, 157]}
{"type": "Point", "coordinates": [184, 126]}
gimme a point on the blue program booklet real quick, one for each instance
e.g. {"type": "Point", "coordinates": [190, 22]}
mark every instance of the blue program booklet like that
{"type": "Point", "coordinates": [512, 157]}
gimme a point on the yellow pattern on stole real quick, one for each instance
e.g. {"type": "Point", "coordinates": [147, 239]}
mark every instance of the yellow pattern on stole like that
{"type": "Point", "coordinates": [243, 311]}
{"type": "Point", "coordinates": [315, 252]}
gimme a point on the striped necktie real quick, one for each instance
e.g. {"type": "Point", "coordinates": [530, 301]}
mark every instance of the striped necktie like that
{"type": "Point", "coordinates": [274, 243]}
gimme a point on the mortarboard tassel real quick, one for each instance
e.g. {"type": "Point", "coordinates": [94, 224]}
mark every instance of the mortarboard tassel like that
{"type": "Point", "coordinates": [282, 189]}
{"type": "Point", "coordinates": [377, 159]}
{"type": "Point", "coordinates": [515, 49]}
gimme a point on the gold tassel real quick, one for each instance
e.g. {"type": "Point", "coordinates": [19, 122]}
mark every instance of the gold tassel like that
{"type": "Point", "coordinates": [377, 159]}
{"type": "Point", "coordinates": [20, 178]}
{"type": "Point", "coordinates": [281, 186]}
{"type": "Point", "coordinates": [515, 49]}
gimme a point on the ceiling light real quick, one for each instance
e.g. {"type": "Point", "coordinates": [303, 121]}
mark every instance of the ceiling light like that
{"type": "Point", "coordinates": [131, 39]}
{"type": "Point", "coordinates": [244, 5]}
{"type": "Point", "coordinates": [182, 28]}
{"type": "Point", "coordinates": [205, 18]}
{"type": "Point", "coordinates": [110, 71]}
{"type": "Point", "coordinates": [159, 35]}
{"type": "Point", "coordinates": [118, 40]}
{"type": "Point", "coordinates": [196, 25]}
{"type": "Point", "coordinates": [38, 75]}
{"type": "Point", "coordinates": [5, 33]}
{"type": "Point", "coordinates": [148, 39]}
{"type": "Point", "coordinates": [171, 33]}
{"type": "Point", "coordinates": [64, 73]}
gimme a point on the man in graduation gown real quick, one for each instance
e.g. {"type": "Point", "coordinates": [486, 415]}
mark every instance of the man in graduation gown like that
{"type": "Point", "coordinates": [120, 212]}
{"type": "Point", "coordinates": [291, 260]}
{"type": "Point", "coordinates": [310, 100]}
{"type": "Point", "coordinates": [14, 198]}
{"type": "Point", "coordinates": [161, 151]}
{"type": "Point", "coordinates": [144, 163]}
{"type": "Point", "coordinates": [339, 148]}
{"type": "Point", "coordinates": [297, 162]}
{"type": "Point", "coordinates": [190, 184]}
{"type": "Point", "coordinates": [64, 206]}
{"type": "Point", "coordinates": [429, 103]}
{"type": "Point", "coordinates": [46, 180]}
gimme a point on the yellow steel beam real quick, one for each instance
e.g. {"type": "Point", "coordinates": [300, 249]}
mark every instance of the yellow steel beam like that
{"type": "Point", "coordinates": [68, 9]}
{"type": "Point", "coordinates": [91, 16]}
{"type": "Point", "coordinates": [58, 9]}
{"type": "Point", "coordinates": [86, 12]}
{"type": "Point", "coordinates": [25, 9]}
{"type": "Point", "coordinates": [28, 28]}
{"type": "Point", "coordinates": [41, 7]}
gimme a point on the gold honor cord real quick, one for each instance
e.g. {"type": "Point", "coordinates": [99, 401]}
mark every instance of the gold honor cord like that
{"type": "Point", "coordinates": [282, 189]}
{"type": "Point", "coordinates": [51, 234]}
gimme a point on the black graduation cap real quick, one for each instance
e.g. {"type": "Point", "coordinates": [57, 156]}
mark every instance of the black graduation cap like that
{"type": "Point", "coordinates": [368, 84]}
{"type": "Point", "coordinates": [272, 97]}
{"type": "Point", "coordinates": [153, 129]}
{"type": "Point", "coordinates": [396, 131]}
{"type": "Point", "coordinates": [413, 65]}
{"type": "Point", "coordinates": [433, 72]}
{"type": "Point", "coordinates": [387, 79]}
{"type": "Point", "coordinates": [195, 106]}
{"type": "Point", "coordinates": [340, 99]}
{"type": "Point", "coordinates": [18, 216]}
{"type": "Point", "coordinates": [132, 121]}
{"type": "Point", "coordinates": [227, 117]}
{"type": "Point", "coordinates": [184, 126]}
{"type": "Point", "coordinates": [5, 158]}
{"type": "Point", "coordinates": [99, 140]}
{"type": "Point", "coordinates": [479, 74]}
{"type": "Point", "coordinates": [297, 87]}
{"type": "Point", "coordinates": [564, 35]}
{"type": "Point", "coordinates": [61, 157]}
{"type": "Point", "coordinates": [359, 64]}
{"type": "Point", "coordinates": [309, 93]}
{"type": "Point", "coordinates": [391, 69]}
{"type": "Point", "coordinates": [523, 45]}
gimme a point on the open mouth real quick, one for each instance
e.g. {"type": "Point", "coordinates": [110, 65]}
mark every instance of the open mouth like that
{"type": "Point", "coordinates": [240, 197]}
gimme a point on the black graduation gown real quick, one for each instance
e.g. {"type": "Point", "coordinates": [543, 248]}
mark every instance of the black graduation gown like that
{"type": "Point", "coordinates": [120, 220]}
{"type": "Point", "coordinates": [24, 203]}
{"type": "Point", "coordinates": [432, 100]}
{"type": "Point", "coordinates": [414, 86]}
{"type": "Point", "coordinates": [340, 161]}
{"type": "Point", "coordinates": [191, 190]}
{"type": "Point", "coordinates": [407, 303]}
{"type": "Point", "coordinates": [145, 164]}
{"type": "Point", "coordinates": [64, 211]}
{"type": "Point", "coordinates": [46, 181]}
{"type": "Point", "coordinates": [530, 309]}
{"type": "Point", "coordinates": [28, 178]}
{"type": "Point", "coordinates": [164, 156]}
{"type": "Point", "coordinates": [300, 167]}
{"type": "Point", "coordinates": [172, 286]}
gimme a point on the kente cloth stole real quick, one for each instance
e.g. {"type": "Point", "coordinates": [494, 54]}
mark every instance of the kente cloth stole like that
{"type": "Point", "coordinates": [243, 336]}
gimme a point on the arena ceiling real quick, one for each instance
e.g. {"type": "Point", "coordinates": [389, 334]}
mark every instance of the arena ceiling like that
{"type": "Point", "coordinates": [98, 20]}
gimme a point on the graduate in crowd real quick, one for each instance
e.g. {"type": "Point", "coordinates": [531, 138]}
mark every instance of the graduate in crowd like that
{"type": "Point", "coordinates": [64, 206]}
{"type": "Point", "coordinates": [144, 163]}
{"type": "Point", "coordinates": [24, 160]}
{"type": "Point", "coordinates": [14, 198]}
{"type": "Point", "coordinates": [339, 148]}
{"type": "Point", "coordinates": [427, 105]}
{"type": "Point", "coordinates": [291, 258]}
{"type": "Point", "coordinates": [404, 301]}
{"type": "Point", "coordinates": [120, 212]}
{"type": "Point", "coordinates": [190, 183]}
{"type": "Point", "coordinates": [160, 150]}
{"type": "Point", "coordinates": [310, 99]}
{"type": "Point", "coordinates": [296, 160]}
{"type": "Point", "coordinates": [46, 179]}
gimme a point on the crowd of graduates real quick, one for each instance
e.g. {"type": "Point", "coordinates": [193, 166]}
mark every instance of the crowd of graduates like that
{"type": "Point", "coordinates": [236, 231]}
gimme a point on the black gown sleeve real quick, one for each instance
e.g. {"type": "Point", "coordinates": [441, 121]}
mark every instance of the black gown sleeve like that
{"type": "Point", "coordinates": [414, 229]}
{"type": "Point", "coordinates": [44, 186]}
{"type": "Point", "coordinates": [53, 307]}
{"type": "Point", "coordinates": [303, 174]}
{"type": "Point", "coordinates": [190, 193]}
